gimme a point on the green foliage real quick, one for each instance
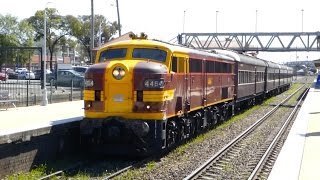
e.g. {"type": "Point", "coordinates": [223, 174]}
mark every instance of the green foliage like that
{"type": "Point", "coordinates": [151, 166]}
{"type": "Point", "coordinates": [36, 173]}
{"type": "Point", "coordinates": [56, 28]}
{"type": "Point", "coordinates": [61, 31]}
{"type": "Point", "coordinates": [14, 34]}
{"type": "Point", "coordinates": [80, 28]}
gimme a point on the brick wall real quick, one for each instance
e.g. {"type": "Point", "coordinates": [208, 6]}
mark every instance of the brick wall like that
{"type": "Point", "coordinates": [23, 154]}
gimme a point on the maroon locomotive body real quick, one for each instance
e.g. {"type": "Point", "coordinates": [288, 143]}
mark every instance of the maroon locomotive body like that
{"type": "Point", "coordinates": [150, 95]}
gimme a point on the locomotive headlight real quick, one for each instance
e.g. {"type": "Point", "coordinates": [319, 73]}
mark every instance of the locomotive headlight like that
{"type": "Point", "coordinates": [115, 72]}
{"type": "Point", "coordinates": [88, 83]}
{"type": "Point", "coordinates": [118, 73]}
{"type": "Point", "coordinates": [122, 72]}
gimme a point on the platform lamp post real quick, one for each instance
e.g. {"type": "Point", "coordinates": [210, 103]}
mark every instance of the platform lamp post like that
{"type": "Point", "coordinates": [44, 91]}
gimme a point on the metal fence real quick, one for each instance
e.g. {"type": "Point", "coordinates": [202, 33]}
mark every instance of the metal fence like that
{"type": "Point", "coordinates": [29, 92]}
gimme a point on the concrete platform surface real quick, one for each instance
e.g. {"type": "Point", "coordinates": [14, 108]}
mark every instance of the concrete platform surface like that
{"type": "Point", "coordinates": [300, 156]}
{"type": "Point", "coordinates": [20, 119]}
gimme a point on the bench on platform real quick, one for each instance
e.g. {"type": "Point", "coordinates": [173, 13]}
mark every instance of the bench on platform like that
{"type": "Point", "coordinates": [6, 99]}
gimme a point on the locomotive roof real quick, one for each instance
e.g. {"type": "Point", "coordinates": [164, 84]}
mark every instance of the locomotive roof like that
{"type": "Point", "coordinates": [172, 47]}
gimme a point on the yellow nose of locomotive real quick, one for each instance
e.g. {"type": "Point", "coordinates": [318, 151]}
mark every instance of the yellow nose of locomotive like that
{"type": "Point", "coordinates": [126, 89]}
{"type": "Point", "coordinates": [109, 88]}
{"type": "Point", "coordinates": [119, 88]}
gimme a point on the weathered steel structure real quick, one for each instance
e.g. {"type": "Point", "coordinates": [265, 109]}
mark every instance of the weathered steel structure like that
{"type": "Point", "coordinates": [258, 41]}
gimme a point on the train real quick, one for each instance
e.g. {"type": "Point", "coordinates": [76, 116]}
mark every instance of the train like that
{"type": "Point", "coordinates": [145, 96]}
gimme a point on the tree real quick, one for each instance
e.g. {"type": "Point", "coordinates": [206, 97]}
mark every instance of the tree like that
{"type": "Point", "coordinates": [80, 28]}
{"type": "Point", "coordinates": [56, 29]}
{"type": "Point", "coordinates": [14, 34]}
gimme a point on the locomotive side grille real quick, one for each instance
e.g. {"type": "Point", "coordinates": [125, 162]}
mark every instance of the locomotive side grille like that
{"type": "Point", "coordinates": [139, 96]}
{"type": "Point", "coordinates": [98, 96]}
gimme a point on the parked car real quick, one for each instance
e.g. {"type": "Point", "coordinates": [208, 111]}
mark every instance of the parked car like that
{"type": "Point", "coordinates": [25, 75]}
{"type": "Point", "coordinates": [37, 73]}
{"type": "Point", "coordinates": [4, 76]}
{"type": "Point", "coordinates": [10, 72]}
{"type": "Point", "coordinates": [21, 70]}
{"type": "Point", "coordinates": [65, 77]}
{"type": "Point", "coordinates": [80, 69]}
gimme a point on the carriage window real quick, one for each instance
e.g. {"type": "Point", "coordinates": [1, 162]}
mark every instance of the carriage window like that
{"type": "Point", "coordinates": [217, 67]}
{"type": "Point", "coordinates": [210, 66]}
{"type": "Point", "coordinates": [113, 54]}
{"type": "Point", "coordinates": [195, 65]}
{"type": "Point", "coordinates": [225, 68]}
{"type": "Point", "coordinates": [146, 53]}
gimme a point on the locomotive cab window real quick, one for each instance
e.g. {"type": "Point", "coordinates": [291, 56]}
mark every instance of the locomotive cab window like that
{"type": "Point", "coordinates": [174, 64]}
{"type": "Point", "coordinates": [113, 54]}
{"type": "Point", "coordinates": [147, 53]}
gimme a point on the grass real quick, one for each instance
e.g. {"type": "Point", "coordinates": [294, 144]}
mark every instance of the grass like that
{"type": "Point", "coordinates": [36, 173]}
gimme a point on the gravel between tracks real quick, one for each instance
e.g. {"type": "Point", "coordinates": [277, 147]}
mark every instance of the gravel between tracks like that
{"type": "Point", "coordinates": [181, 162]}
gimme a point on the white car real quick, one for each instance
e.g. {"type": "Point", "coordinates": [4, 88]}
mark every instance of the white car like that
{"type": "Point", "coordinates": [21, 70]}
{"type": "Point", "coordinates": [26, 75]}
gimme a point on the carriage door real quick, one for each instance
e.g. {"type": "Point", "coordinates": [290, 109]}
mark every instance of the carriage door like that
{"type": "Point", "coordinates": [179, 66]}
{"type": "Point", "coordinates": [184, 64]}
{"type": "Point", "coordinates": [196, 80]}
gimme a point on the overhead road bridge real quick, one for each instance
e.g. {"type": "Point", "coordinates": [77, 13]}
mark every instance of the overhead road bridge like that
{"type": "Point", "coordinates": [259, 41]}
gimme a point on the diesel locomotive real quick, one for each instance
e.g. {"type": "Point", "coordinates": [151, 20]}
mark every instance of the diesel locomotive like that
{"type": "Point", "coordinates": [144, 96]}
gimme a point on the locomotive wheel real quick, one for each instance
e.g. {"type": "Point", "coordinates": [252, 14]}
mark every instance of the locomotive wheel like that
{"type": "Point", "coordinates": [192, 126]}
{"type": "Point", "coordinates": [181, 129]}
{"type": "Point", "coordinates": [172, 133]}
{"type": "Point", "coordinates": [223, 113]}
{"type": "Point", "coordinates": [210, 117]}
{"type": "Point", "coordinates": [198, 122]}
{"type": "Point", "coordinates": [215, 116]}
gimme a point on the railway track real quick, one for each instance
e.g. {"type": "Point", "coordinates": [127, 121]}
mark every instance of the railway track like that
{"type": "Point", "coordinates": [264, 167]}
{"type": "Point", "coordinates": [81, 165]}
{"type": "Point", "coordinates": [136, 164]}
{"type": "Point", "coordinates": [61, 173]}
{"type": "Point", "coordinates": [93, 166]}
{"type": "Point", "coordinates": [217, 166]}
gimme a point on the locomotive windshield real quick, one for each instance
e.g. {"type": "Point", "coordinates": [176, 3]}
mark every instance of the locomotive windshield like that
{"type": "Point", "coordinates": [113, 54]}
{"type": "Point", "coordinates": [145, 53]}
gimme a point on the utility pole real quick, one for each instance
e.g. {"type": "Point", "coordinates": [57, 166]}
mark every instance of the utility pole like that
{"type": "Point", "coordinates": [217, 21]}
{"type": "Point", "coordinates": [119, 28]}
{"type": "Point", "coordinates": [302, 20]}
{"type": "Point", "coordinates": [92, 33]}
{"type": "Point", "coordinates": [256, 27]}
{"type": "Point", "coordinates": [184, 20]}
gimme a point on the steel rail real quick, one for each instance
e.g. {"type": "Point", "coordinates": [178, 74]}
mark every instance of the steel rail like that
{"type": "Point", "coordinates": [276, 139]}
{"type": "Point", "coordinates": [196, 172]}
{"type": "Point", "coordinates": [118, 172]}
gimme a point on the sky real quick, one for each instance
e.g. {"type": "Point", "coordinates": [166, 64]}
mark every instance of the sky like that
{"type": "Point", "coordinates": [165, 19]}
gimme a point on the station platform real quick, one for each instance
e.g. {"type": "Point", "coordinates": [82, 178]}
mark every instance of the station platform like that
{"type": "Point", "coordinates": [22, 119]}
{"type": "Point", "coordinates": [300, 156]}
